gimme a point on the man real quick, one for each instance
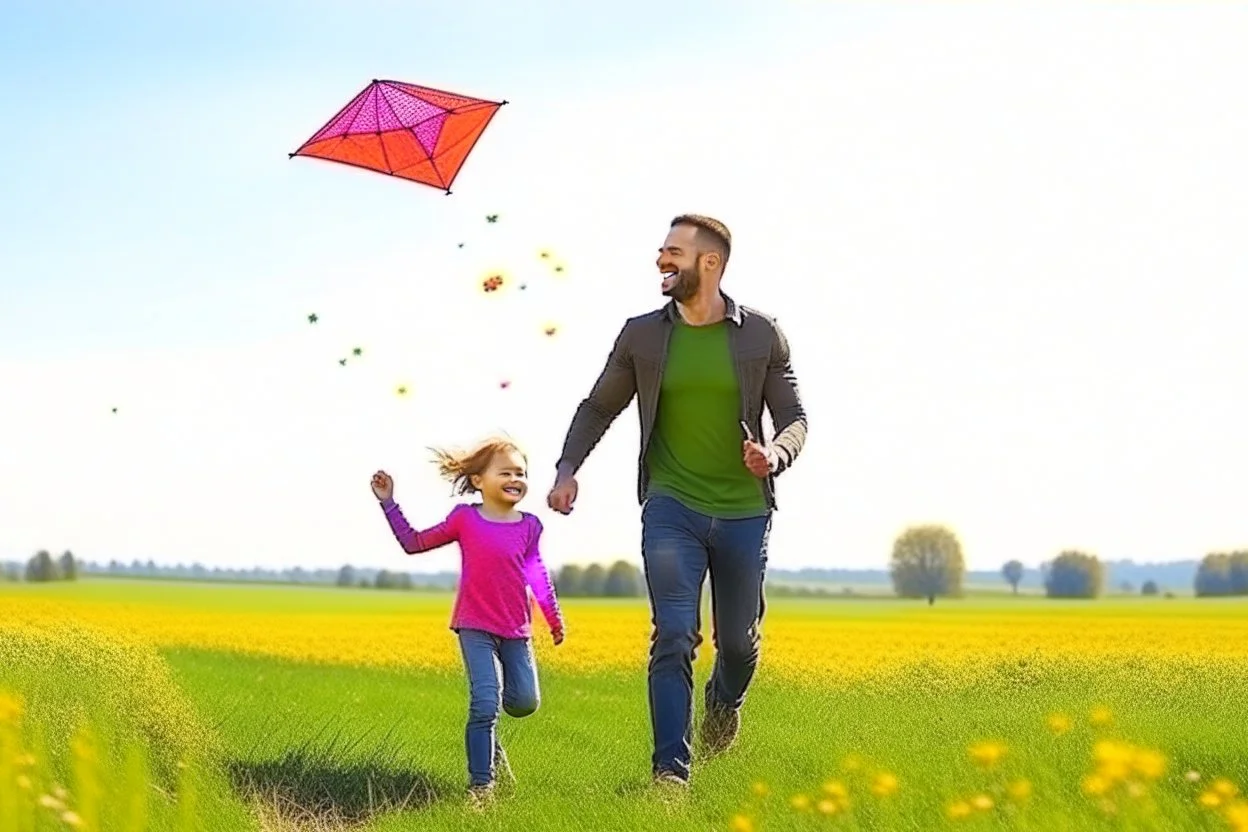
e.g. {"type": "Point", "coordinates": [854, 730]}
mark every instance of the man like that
{"type": "Point", "coordinates": [702, 367]}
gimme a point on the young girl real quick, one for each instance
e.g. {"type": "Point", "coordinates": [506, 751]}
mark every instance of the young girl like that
{"type": "Point", "coordinates": [492, 614]}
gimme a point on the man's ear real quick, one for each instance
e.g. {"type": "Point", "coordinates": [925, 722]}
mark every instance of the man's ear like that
{"type": "Point", "coordinates": [712, 260]}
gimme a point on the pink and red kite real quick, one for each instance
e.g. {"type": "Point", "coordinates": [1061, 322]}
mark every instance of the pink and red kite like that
{"type": "Point", "coordinates": [403, 130]}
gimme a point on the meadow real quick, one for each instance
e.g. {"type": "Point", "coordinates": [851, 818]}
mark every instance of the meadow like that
{"type": "Point", "coordinates": [226, 707]}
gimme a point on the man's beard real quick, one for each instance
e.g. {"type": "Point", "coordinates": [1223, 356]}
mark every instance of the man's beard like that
{"type": "Point", "coordinates": [685, 285]}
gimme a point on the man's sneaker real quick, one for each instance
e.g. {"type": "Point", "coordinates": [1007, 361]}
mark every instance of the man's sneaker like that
{"type": "Point", "coordinates": [670, 779]}
{"type": "Point", "coordinates": [720, 725]}
{"type": "Point", "coordinates": [479, 797]}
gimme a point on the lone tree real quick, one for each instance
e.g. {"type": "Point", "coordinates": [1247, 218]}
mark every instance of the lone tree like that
{"type": "Point", "coordinates": [569, 582]}
{"type": "Point", "coordinates": [346, 576]}
{"type": "Point", "coordinates": [1074, 574]}
{"type": "Point", "coordinates": [1013, 573]}
{"type": "Point", "coordinates": [1222, 573]}
{"type": "Point", "coordinates": [42, 568]}
{"type": "Point", "coordinates": [927, 561]}
{"type": "Point", "coordinates": [1149, 587]}
{"type": "Point", "coordinates": [1239, 572]}
{"type": "Point", "coordinates": [68, 566]}
{"type": "Point", "coordinates": [623, 581]}
{"type": "Point", "coordinates": [593, 580]}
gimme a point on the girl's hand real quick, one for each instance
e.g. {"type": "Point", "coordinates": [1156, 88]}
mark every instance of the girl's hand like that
{"type": "Point", "coordinates": [557, 635]}
{"type": "Point", "coordinates": [383, 486]}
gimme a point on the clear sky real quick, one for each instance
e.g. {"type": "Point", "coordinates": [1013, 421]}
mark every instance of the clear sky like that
{"type": "Point", "coordinates": [1007, 243]}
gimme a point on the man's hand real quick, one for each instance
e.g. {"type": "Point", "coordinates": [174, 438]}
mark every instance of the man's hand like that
{"type": "Point", "coordinates": [383, 486]}
{"type": "Point", "coordinates": [759, 459]}
{"type": "Point", "coordinates": [562, 495]}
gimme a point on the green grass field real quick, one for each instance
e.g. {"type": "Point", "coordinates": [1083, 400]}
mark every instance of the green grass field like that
{"type": "Point", "coordinates": [312, 741]}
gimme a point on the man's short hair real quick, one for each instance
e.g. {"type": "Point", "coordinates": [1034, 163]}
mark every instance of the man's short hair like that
{"type": "Point", "coordinates": [712, 233]}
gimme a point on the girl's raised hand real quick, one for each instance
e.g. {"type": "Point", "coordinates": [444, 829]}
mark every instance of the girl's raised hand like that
{"type": "Point", "coordinates": [383, 486]}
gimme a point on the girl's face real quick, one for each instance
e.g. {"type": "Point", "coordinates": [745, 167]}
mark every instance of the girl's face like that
{"type": "Point", "coordinates": [505, 481]}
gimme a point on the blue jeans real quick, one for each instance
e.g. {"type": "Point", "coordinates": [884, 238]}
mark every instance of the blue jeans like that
{"type": "Point", "coordinates": [501, 672]}
{"type": "Point", "coordinates": [678, 546]}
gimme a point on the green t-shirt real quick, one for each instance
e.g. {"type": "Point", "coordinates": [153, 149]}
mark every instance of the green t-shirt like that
{"type": "Point", "coordinates": [695, 450]}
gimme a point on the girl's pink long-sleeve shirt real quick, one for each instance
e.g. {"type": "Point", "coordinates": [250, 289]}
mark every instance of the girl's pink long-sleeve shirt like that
{"type": "Point", "coordinates": [500, 561]}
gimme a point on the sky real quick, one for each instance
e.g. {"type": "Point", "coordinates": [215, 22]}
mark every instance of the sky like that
{"type": "Point", "coordinates": [1005, 241]}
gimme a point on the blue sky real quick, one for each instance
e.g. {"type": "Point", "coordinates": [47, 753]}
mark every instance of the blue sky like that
{"type": "Point", "coordinates": [1004, 239]}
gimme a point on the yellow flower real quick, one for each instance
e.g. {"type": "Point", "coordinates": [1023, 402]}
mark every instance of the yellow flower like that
{"type": "Point", "coordinates": [1149, 764]}
{"type": "Point", "coordinates": [1101, 715]}
{"type": "Point", "coordinates": [982, 802]}
{"type": "Point", "coordinates": [72, 819]}
{"type": "Point", "coordinates": [1237, 816]}
{"type": "Point", "coordinates": [10, 708]}
{"type": "Point", "coordinates": [1110, 751]}
{"type": "Point", "coordinates": [827, 807]}
{"type": "Point", "coordinates": [1192, 776]}
{"type": "Point", "coordinates": [1224, 787]}
{"type": "Point", "coordinates": [884, 785]}
{"type": "Point", "coordinates": [47, 801]}
{"type": "Point", "coordinates": [1209, 799]}
{"type": "Point", "coordinates": [1095, 784]}
{"type": "Point", "coordinates": [986, 754]}
{"type": "Point", "coordinates": [835, 788]}
{"type": "Point", "coordinates": [740, 823]}
{"type": "Point", "coordinates": [23, 782]}
{"type": "Point", "coordinates": [1019, 790]}
{"type": "Point", "coordinates": [1059, 723]}
{"type": "Point", "coordinates": [958, 810]}
{"type": "Point", "coordinates": [759, 788]}
{"type": "Point", "coordinates": [800, 802]}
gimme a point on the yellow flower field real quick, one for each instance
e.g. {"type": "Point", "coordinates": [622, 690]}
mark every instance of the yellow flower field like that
{"type": "Point", "coordinates": [869, 714]}
{"type": "Point", "coordinates": [809, 642]}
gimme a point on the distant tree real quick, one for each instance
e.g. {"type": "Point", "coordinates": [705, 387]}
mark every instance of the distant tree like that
{"type": "Point", "coordinates": [116, 566]}
{"type": "Point", "coordinates": [1127, 587]}
{"type": "Point", "coordinates": [1074, 574]}
{"type": "Point", "coordinates": [570, 580]}
{"type": "Point", "coordinates": [42, 568]}
{"type": "Point", "coordinates": [1149, 588]}
{"type": "Point", "coordinates": [1213, 576]}
{"type": "Point", "coordinates": [1013, 573]}
{"type": "Point", "coordinates": [401, 580]}
{"type": "Point", "coordinates": [68, 567]}
{"type": "Point", "coordinates": [624, 580]}
{"type": "Point", "coordinates": [593, 580]}
{"type": "Point", "coordinates": [927, 561]}
{"type": "Point", "coordinates": [12, 572]}
{"type": "Point", "coordinates": [383, 580]}
{"type": "Point", "coordinates": [346, 576]}
{"type": "Point", "coordinates": [364, 584]}
{"type": "Point", "coordinates": [1239, 572]}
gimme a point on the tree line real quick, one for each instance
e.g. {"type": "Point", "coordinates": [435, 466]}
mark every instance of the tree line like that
{"type": "Point", "coordinates": [42, 567]}
{"type": "Point", "coordinates": [620, 580]}
{"type": "Point", "coordinates": [927, 562]}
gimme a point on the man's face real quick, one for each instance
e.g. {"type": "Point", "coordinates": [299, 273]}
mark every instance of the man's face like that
{"type": "Point", "coordinates": [678, 262]}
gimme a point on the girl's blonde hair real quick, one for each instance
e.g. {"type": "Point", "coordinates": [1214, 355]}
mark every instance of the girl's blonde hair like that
{"type": "Point", "coordinates": [459, 467]}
